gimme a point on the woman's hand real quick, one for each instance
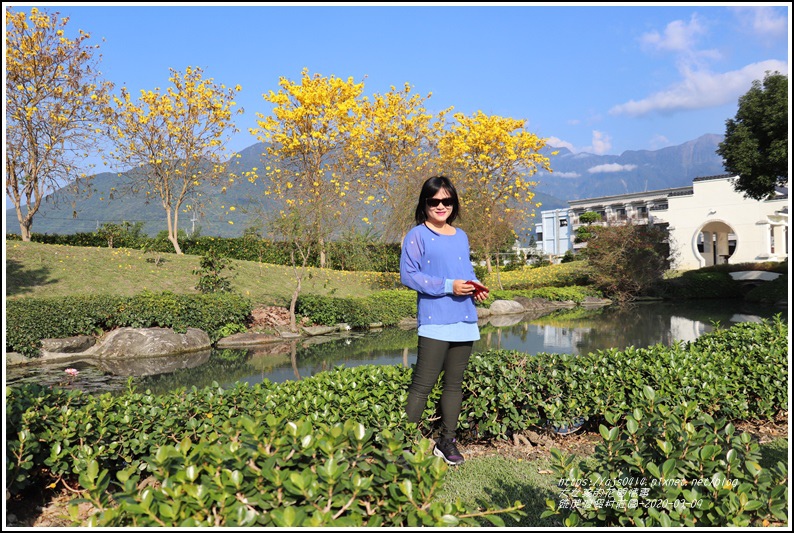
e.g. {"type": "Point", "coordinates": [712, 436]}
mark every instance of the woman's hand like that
{"type": "Point", "coordinates": [462, 288]}
{"type": "Point", "coordinates": [481, 296]}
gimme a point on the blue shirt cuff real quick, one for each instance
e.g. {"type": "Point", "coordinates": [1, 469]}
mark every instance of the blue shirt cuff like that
{"type": "Point", "coordinates": [448, 285]}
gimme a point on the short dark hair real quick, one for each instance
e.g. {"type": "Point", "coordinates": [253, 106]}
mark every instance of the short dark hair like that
{"type": "Point", "coordinates": [429, 189]}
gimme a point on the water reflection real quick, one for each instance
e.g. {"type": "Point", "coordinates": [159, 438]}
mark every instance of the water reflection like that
{"type": "Point", "coordinates": [575, 331]}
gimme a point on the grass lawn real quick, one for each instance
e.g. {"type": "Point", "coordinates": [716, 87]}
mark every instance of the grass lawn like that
{"type": "Point", "coordinates": [35, 269]}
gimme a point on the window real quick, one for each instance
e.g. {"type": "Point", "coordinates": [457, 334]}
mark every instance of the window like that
{"type": "Point", "coordinates": [563, 222]}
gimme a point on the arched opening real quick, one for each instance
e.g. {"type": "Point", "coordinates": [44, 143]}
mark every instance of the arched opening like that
{"type": "Point", "coordinates": [716, 242]}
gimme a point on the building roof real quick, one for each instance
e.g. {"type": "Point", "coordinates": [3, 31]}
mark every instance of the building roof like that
{"type": "Point", "coordinates": [629, 196]}
{"type": "Point", "coordinates": [715, 177]}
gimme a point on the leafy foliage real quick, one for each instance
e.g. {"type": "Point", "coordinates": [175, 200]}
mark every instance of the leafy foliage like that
{"type": "Point", "coordinates": [667, 463]}
{"type": "Point", "coordinates": [755, 147]}
{"type": "Point", "coordinates": [386, 307]}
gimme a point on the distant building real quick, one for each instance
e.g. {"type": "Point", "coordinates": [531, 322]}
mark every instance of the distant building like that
{"type": "Point", "coordinates": [709, 223]}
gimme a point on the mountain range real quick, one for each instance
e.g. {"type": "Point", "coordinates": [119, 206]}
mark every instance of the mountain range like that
{"type": "Point", "coordinates": [574, 177]}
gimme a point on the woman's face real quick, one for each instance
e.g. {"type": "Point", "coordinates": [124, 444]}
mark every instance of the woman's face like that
{"type": "Point", "coordinates": [438, 214]}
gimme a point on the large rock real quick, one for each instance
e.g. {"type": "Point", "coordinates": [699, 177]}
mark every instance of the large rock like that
{"type": "Point", "coordinates": [506, 307]}
{"type": "Point", "coordinates": [149, 342]}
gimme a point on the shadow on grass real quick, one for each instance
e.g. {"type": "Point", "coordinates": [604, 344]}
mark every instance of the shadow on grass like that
{"type": "Point", "coordinates": [20, 280]}
{"type": "Point", "coordinates": [534, 500]}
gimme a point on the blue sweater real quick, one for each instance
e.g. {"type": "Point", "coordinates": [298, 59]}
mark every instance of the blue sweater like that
{"type": "Point", "coordinates": [429, 261]}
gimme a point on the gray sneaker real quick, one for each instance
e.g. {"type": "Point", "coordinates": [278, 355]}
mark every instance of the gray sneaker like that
{"type": "Point", "coordinates": [447, 449]}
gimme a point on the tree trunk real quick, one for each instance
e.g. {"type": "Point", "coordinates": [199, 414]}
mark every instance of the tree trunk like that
{"type": "Point", "coordinates": [25, 222]}
{"type": "Point", "coordinates": [172, 230]}
{"type": "Point", "coordinates": [24, 230]}
{"type": "Point", "coordinates": [175, 242]}
{"type": "Point", "coordinates": [322, 252]}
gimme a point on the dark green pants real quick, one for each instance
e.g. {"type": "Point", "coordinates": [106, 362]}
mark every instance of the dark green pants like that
{"type": "Point", "coordinates": [433, 356]}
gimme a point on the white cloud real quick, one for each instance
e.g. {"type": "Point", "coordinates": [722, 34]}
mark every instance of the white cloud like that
{"type": "Point", "coordinates": [766, 24]}
{"type": "Point", "coordinates": [565, 174]}
{"type": "Point", "coordinates": [559, 143]}
{"type": "Point", "coordinates": [602, 143]}
{"type": "Point", "coordinates": [701, 89]}
{"type": "Point", "coordinates": [610, 167]}
{"type": "Point", "coordinates": [678, 36]}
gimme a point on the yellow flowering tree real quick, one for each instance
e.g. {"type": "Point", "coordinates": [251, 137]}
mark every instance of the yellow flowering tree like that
{"type": "Point", "coordinates": [55, 102]}
{"type": "Point", "coordinates": [307, 137]}
{"type": "Point", "coordinates": [175, 141]}
{"type": "Point", "coordinates": [493, 159]}
{"type": "Point", "coordinates": [391, 146]}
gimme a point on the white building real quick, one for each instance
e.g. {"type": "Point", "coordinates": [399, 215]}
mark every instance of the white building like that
{"type": "Point", "coordinates": [709, 222]}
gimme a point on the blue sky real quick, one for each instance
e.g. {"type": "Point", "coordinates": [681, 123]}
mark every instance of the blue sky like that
{"type": "Point", "coordinates": [595, 78]}
{"type": "Point", "coordinates": [601, 79]}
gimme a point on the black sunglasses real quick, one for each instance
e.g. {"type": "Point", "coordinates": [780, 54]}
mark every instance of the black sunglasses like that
{"type": "Point", "coordinates": [433, 202]}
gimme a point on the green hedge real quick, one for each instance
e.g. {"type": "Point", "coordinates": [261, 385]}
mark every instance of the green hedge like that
{"type": "Point", "coordinates": [701, 284]}
{"type": "Point", "coordinates": [386, 307]}
{"type": "Point", "coordinates": [28, 320]}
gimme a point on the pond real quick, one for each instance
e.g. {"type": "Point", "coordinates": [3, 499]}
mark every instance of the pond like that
{"type": "Point", "coordinates": [574, 331]}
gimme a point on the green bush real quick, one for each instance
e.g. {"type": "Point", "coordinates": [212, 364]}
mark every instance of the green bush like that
{"type": "Point", "coordinates": [575, 294]}
{"type": "Point", "coordinates": [701, 284]}
{"type": "Point", "coordinates": [668, 464]}
{"type": "Point", "coordinates": [211, 267]}
{"type": "Point", "coordinates": [209, 312]}
{"type": "Point", "coordinates": [387, 307]}
{"type": "Point", "coordinates": [29, 320]}
{"type": "Point", "coordinates": [772, 291]}
{"type": "Point", "coordinates": [276, 473]}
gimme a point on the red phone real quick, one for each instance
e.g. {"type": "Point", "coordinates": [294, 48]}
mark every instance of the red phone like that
{"type": "Point", "coordinates": [478, 287]}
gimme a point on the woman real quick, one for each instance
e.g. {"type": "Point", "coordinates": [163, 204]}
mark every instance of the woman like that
{"type": "Point", "coordinates": [435, 263]}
